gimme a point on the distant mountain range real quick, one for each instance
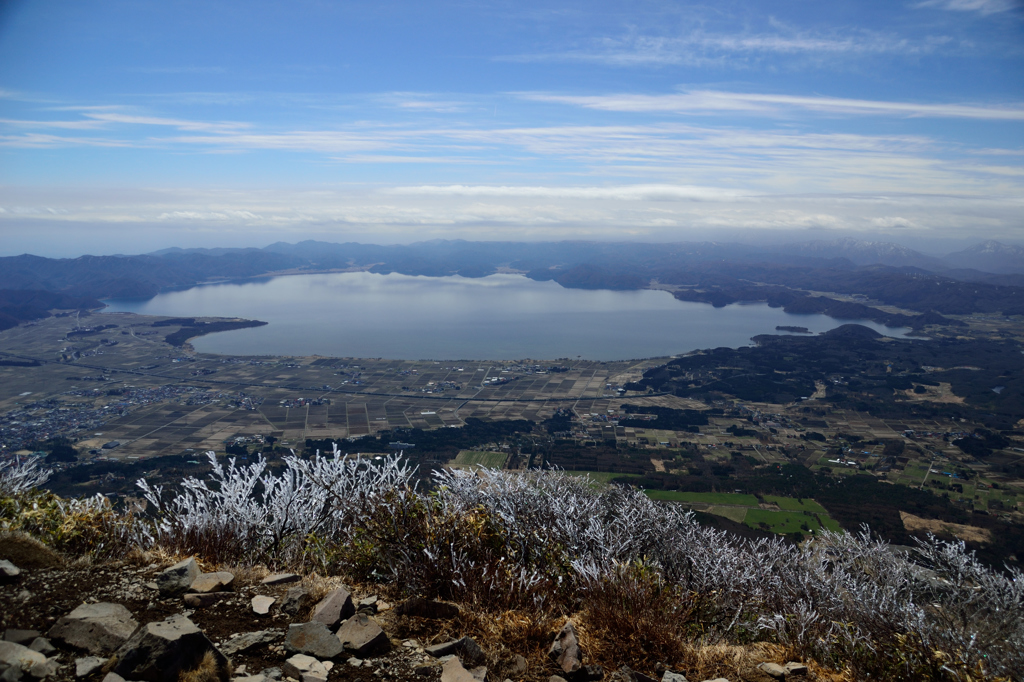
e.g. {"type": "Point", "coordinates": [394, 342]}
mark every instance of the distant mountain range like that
{"type": "Point", "coordinates": [988, 277]}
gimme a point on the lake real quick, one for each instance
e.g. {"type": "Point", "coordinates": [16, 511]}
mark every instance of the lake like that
{"type": "Point", "coordinates": [499, 317]}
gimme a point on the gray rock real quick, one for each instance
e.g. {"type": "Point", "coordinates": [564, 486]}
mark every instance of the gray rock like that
{"type": "Point", "coordinates": [305, 668]}
{"type": "Point", "coordinates": [112, 677]}
{"type": "Point", "coordinates": [773, 670]}
{"type": "Point", "coordinates": [273, 673]}
{"type": "Point", "coordinates": [43, 646]}
{"type": "Point", "coordinates": [251, 678]}
{"type": "Point", "coordinates": [427, 608]}
{"type": "Point", "coordinates": [468, 651]}
{"type": "Point", "coordinates": [717, 679]}
{"type": "Point", "coordinates": [334, 608]}
{"type": "Point", "coordinates": [368, 605]}
{"type": "Point", "coordinates": [20, 636]}
{"type": "Point", "coordinates": [88, 665]}
{"type": "Point", "coordinates": [21, 659]}
{"type": "Point", "coordinates": [295, 600]}
{"type": "Point", "coordinates": [212, 582]}
{"type": "Point", "coordinates": [670, 676]}
{"type": "Point", "coordinates": [261, 604]}
{"type": "Point", "coordinates": [519, 666]}
{"type": "Point", "coordinates": [8, 571]}
{"type": "Point", "coordinates": [163, 651]}
{"type": "Point", "coordinates": [248, 640]}
{"type": "Point", "coordinates": [362, 636]}
{"type": "Point", "coordinates": [313, 639]}
{"type": "Point", "coordinates": [96, 628]}
{"type": "Point", "coordinates": [556, 678]}
{"type": "Point", "coordinates": [565, 650]}
{"type": "Point", "coordinates": [281, 579]}
{"type": "Point", "coordinates": [175, 581]}
{"type": "Point", "coordinates": [794, 668]}
{"type": "Point", "coordinates": [453, 671]}
{"type": "Point", "coordinates": [201, 601]}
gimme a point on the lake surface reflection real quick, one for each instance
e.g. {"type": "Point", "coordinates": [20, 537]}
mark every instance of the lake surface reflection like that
{"type": "Point", "coordinates": [500, 317]}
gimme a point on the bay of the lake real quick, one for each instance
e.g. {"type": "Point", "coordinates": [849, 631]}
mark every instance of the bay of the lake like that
{"type": "Point", "coordinates": [499, 317]}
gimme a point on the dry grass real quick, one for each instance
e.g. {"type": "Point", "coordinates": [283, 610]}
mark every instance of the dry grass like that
{"type": "Point", "coordinates": [942, 528]}
{"type": "Point", "coordinates": [25, 551]}
{"type": "Point", "coordinates": [210, 669]}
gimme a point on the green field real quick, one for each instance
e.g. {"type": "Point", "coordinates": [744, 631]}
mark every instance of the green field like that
{"type": "Point", "coordinates": [736, 514]}
{"type": "Point", "coordinates": [793, 504]}
{"type": "Point", "coordinates": [468, 458]}
{"type": "Point", "coordinates": [601, 478]}
{"type": "Point", "coordinates": [703, 498]}
{"type": "Point", "coordinates": [781, 522]}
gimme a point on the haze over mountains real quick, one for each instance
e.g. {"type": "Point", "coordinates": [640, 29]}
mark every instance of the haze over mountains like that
{"type": "Point", "coordinates": [986, 278]}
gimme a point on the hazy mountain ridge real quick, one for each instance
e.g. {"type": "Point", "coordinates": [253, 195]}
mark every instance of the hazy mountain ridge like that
{"type": "Point", "coordinates": [723, 271]}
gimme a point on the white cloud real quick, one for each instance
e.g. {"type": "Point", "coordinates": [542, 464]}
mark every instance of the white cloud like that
{"type": "Point", "coordinates": [712, 101]}
{"type": "Point", "coordinates": [618, 193]}
{"type": "Point", "coordinates": [892, 222]}
{"type": "Point", "coordinates": [985, 7]}
{"type": "Point", "coordinates": [180, 124]}
{"type": "Point", "coordinates": [699, 48]}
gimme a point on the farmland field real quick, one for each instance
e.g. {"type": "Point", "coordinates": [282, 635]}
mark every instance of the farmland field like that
{"type": "Point", "coordinates": [491, 460]}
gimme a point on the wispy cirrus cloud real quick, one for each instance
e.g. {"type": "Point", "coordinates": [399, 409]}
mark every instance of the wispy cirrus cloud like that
{"type": "Point", "coordinates": [700, 47]}
{"type": "Point", "coordinates": [713, 101]}
{"type": "Point", "coordinates": [981, 6]}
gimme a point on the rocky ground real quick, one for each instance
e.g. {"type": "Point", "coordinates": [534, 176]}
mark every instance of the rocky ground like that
{"type": "Point", "coordinates": [152, 620]}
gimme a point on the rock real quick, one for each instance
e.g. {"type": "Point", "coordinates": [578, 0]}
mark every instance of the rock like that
{"type": "Point", "coordinates": [273, 673]}
{"type": "Point", "coordinates": [305, 668]}
{"type": "Point", "coordinates": [355, 662]}
{"type": "Point", "coordinates": [21, 658]}
{"type": "Point", "coordinates": [251, 678]}
{"type": "Point", "coordinates": [794, 668]}
{"type": "Point", "coordinates": [112, 677]}
{"type": "Point", "coordinates": [166, 650]}
{"type": "Point", "coordinates": [368, 605]}
{"type": "Point", "coordinates": [43, 646]}
{"type": "Point", "coordinates": [202, 601]}
{"type": "Point", "coordinates": [20, 636]}
{"type": "Point", "coordinates": [363, 636]}
{"type": "Point", "coordinates": [175, 581]}
{"type": "Point", "coordinates": [556, 678]}
{"type": "Point", "coordinates": [519, 666]}
{"type": "Point", "coordinates": [24, 551]}
{"type": "Point", "coordinates": [426, 608]}
{"type": "Point", "coordinates": [466, 649]}
{"type": "Point", "coordinates": [565, 650]}
{"type": "Point", "coordinates": [313, 639]}
{"type": "Point", "coordinates": [261, 604]}
{"type": "Point", "coordinates": [670, 676]}
{"type": "Point", "coordinates": [334, 608]}
{"type": "Point", "coordinates": [453, 671]}
{"type": "Point", "coordinates": [717, 679]}
{"type": "Point", "coordinates": [8, 571]}
{"type": "Point", "coordinates": [773, 670]}
{"type": "Point", "coordinates": [281, 579]}
{"type": "Point", "coordinates": [96, 628]}
{"type": "Point", "coordinates": [248, 640]}
{"type": "Point", "coordinates": [88, 665]}
{"type": "Point", "coordinates": [212, 582]}
{"type": "Point", "coordinates": [296, 599]}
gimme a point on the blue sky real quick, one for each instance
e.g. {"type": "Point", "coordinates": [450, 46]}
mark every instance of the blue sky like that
{"type": "Point", "coordinates": [131, 126]}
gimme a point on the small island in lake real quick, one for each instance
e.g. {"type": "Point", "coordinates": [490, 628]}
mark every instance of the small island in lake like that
{"type": "Point", "coordinates": [794, 330]}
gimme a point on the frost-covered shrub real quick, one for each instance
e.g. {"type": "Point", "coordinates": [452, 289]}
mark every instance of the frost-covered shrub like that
{"type": "Point", "coordinates": [18, 476]}
{"type": "Point", "coordinates": [641, 571]}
